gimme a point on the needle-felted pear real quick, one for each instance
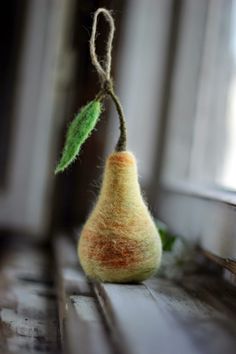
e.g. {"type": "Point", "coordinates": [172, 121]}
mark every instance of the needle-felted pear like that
{"type": "Point", "coordinates": [119, 242]}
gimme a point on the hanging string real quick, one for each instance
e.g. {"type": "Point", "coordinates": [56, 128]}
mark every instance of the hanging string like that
{"type": "Point", "coordinates": [104, 73]}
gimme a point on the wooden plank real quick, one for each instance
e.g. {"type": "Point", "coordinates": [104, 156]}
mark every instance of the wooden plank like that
{"type": "Point", "coordinates": [85, 330]}
{"type": "Point", "coordinates": [139, 325]}
{"type": "Point", "coordinates": [212, 290]}
{"type": "Point", "coordinates": [66, 258]}
{"type": "Point", "coordinates": [181, 304]}
{"type": "Point", "coordinates": [163, 317]}
{"type": "Point", "coordinates": [69, 277]}
{"type": "Point", "coordinates": [159, 316]}
{"type": "Point", "coordinates": [28, 311]}
{"type": "Point", "coordinates": [69, 271]}
{"type": "Point", "coordinates": [202, 316]}
{"type": "Point", "coordinates": [81, 325]}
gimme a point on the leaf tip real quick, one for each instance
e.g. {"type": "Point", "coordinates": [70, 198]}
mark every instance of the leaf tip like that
{"type": "Point", "coordinates": [58, 169]}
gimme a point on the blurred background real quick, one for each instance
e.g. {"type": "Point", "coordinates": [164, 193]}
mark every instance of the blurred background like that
{"type": "Point", "coordinates": [174, 70]}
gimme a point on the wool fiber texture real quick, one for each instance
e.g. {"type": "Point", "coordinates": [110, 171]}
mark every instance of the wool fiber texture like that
{"type": "Point", "coordinates": [78, 132]}
{"type": "Point", "coordinates": [120, 242]}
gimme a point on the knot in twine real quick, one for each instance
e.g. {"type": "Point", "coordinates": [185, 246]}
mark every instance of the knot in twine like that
{"type": "Point", "coordinates": [104, 73]}
{"type": "Point", "coordinates": [107, 86]}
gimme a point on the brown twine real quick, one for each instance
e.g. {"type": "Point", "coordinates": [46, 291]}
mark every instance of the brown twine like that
{"type": "Point", "coordinates": [104, 73]}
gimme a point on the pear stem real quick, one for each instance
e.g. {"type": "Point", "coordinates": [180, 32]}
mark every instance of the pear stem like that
{"type": "Point", "coordinates": [122, 141]}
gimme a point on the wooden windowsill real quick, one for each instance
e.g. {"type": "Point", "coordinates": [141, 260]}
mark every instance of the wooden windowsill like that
{"type": "Point", "coordinates": [194, 315]}
{"type": "Point", "coordinates": [49, 306]}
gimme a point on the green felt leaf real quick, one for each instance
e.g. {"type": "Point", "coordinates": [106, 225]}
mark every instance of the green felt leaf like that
{"type": "Point", "coordinates": [78, 132]}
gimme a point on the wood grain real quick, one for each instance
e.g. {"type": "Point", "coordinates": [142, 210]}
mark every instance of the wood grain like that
{"type": "Point", "coordinates": [89, 331]}
{"type": "Point", "coordinates": [139, 325]}
{"type": "Point", "coordinates": [28, 309]}
{"type": "Point", "coordinates": [81, 325]}
{"type": "Point", "coordinates": [198, 308]}
{"type": "Point", "coordinates": [195, 315]}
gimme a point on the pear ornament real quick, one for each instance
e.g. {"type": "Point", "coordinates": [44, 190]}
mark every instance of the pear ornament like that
{"type": "Point", "coordinates": [120, 241]}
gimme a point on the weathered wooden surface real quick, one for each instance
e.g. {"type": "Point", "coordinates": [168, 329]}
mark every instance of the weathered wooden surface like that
{"type": "Point", "coordinates": [200, 310]}
{"type": "Point", "coordinates": [138, 324]}
{"type": "Point", "coordinates": [159, 316]}
{"type": "Point", "coordinates": [194, 315]}
{"type": "Point", "coordinates": [82, 326]}
{"type": "Point", "coordinates": [28, 307]}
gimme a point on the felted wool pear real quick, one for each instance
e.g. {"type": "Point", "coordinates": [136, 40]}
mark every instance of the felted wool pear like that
{"type": "Point", "coordinates": [120, 242]}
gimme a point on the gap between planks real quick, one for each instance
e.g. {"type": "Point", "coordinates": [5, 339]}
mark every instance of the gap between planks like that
{"type": "Point", "coordinates": [81, 324]}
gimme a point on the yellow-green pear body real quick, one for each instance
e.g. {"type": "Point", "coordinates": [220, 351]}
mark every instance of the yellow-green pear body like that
{"type": "Point", "coordinates": [120, 242]}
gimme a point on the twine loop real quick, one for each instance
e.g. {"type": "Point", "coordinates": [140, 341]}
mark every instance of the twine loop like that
{"type": "Point", "coordinates": [104, 72]}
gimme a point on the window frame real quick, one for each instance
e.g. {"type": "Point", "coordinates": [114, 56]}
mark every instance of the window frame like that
{"type": "Point", "coordinates": [199, 213]}
{"type": "Point", "coordinates": [25, 202]}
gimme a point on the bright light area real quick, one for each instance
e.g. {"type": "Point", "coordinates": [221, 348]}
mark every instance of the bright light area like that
{"type": "Point", "coordinates": [228, 178]}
